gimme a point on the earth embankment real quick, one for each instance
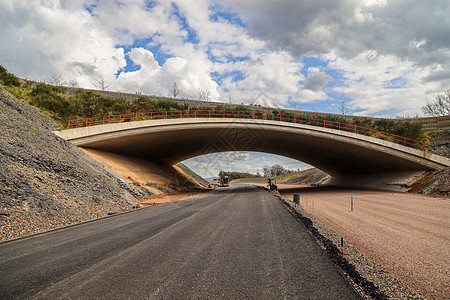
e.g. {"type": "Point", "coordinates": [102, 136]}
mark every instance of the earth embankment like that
{"type": "Point", "coordinates": [46, 182]}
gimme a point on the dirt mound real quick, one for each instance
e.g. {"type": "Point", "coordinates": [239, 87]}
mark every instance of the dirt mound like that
{"type": "Point", "coordinates": [46, 182]}
{"type": "Point", "coordinates": [440, 143]}
{"type": "Point", "coordinates": [439, 183]}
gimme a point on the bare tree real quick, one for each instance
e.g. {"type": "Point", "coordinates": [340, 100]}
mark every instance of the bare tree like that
{"type": "Point", "coordinates": [230, 100]}
{"type": "Point", "coordinates": [101, 84]}
{"type": "Point", "coordinates": [73, 83]}
{"type": "Point", "coordinates": [266, 171]}
{"type": "Point", "coordinates": [56, 79]}
{"type": "Point", "coordinates": [175, 90]}
{"type": "Point", "coordinates": [204, 95]}
{"type": "Point", "coordinates": [439, 107]}
{"type": "Point", "coordinates": [251, 101]}
{"type": "Point", "coordinates": [278, 170]}
{"type": "Point", "coordinates": [343, 108]}
{"type": "Point", "coordinates": [274, 171]}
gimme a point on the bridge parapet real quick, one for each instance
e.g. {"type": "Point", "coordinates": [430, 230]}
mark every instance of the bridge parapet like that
{"type": "Point", "coordinates": [85, 122]}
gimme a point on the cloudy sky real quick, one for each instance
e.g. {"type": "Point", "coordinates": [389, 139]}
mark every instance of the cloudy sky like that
{"type": "Point", "coordinates": [383, 58]}
{"type": "Point", "coordinates": [244, 161]}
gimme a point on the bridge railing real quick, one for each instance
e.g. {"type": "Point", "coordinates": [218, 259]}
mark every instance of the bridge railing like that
{"type": "Point", "coordinates": [246, 115]}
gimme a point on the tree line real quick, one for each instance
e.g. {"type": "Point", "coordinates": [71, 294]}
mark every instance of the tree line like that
{"type": "Point", "coordinates": [267, 171]}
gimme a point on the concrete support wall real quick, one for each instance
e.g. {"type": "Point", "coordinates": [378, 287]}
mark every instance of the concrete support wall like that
{"type": "Point", "coordinates": [141, 172]}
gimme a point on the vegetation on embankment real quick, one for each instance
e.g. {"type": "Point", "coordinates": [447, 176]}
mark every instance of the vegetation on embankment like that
{"type": "Point", "coordinates": [237, 175]}
{"type": "Point", "coordinates": [192, 175]}
{"type": "Point", "coordinates": [311, 176]}
{"type": "Point", "coordinates": [62, 106]}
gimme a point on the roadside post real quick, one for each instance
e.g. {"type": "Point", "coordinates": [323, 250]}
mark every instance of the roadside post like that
{"type": "Point", "coordinates": [351, 202]}
{"type": "Point", "coordinates": [297, 199]}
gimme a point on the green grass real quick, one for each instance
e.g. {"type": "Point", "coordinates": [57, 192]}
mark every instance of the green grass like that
{"type": "Point", "coordinates": [278, 179]}
{"type": "Point", "coordinates": [192, 174]}
{"type": "Point", "coordinates": [284, 178]}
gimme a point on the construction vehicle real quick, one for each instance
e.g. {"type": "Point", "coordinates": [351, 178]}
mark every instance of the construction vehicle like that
{"type": "Point", "coordinates": [223, 181]}
{"type": "Point", "coordinates": [271, 185]}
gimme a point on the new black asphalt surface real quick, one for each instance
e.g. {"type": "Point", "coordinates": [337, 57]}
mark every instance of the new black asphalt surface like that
{"type": "Point", "coordinates": [231, 243]}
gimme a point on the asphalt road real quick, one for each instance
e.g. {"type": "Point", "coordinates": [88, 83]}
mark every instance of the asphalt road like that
{"type": "Point", "coordinates": [232, 243]}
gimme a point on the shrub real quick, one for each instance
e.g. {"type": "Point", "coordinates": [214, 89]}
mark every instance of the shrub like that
{"type": "Point", "coordinates": [384, 125]}
{"type": "Point", "coordinates": [3, 71]}
{"type": "Point", "coordinates": [7, 78]}
{"type": "Point", "coordinates": [412, 130]}
{"type": "Point", "coordinates": [165, 105]}
{"type": "Point", "coordinates": [42, 89]}
{"type": "Point", "coordinates": [143, 104]}
{"type": "Point", "coordinates": [363, 122]}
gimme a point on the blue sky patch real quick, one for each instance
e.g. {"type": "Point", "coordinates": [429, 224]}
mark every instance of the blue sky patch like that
{"type": "Point", "coordinates": [396, 83]}
{"type": "Point", "coordinates": [149, 5]}
{"type": "Point", "coordinates": [192, 34]}
{"type": "Point", "coordinates": [90, 8]}
{"type": "Point", "coordinates": [236, 75]}
{"type": "Point", "coordinates": [119, 3]}
{"type": "Point", "coordinates": [310, 62]}
{"type": "Point", "coordinates": [130, 67]}
{"type": "Point", "coordinates": [386, 113]}
{"type": "Point", "coordinates": [146, 43]}
{"type": "Point", "coordinates": [218, 14]}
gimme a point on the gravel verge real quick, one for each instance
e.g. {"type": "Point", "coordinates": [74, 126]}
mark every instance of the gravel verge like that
{"type": "Point", "coordinates": [366, 276]}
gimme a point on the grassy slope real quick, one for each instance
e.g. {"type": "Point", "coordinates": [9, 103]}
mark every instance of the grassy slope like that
{"type": "Point", "coordinates": [311, 176]}
{"type": "Point", "coordinates": [280, 179]}
{"type": "Point", "coordinates": [192, 175]}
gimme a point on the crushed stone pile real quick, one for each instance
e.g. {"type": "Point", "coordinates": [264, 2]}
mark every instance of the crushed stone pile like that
{"type": "Point", "coordinates": [439, 185]}
{"type": "Point", "coordinates": [46, 182]}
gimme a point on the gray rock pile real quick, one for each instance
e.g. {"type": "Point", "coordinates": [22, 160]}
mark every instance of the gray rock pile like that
{"type": "Point", "coordinates": [45, 182]}
{"type": "Point", "coordinates": [439, 185]}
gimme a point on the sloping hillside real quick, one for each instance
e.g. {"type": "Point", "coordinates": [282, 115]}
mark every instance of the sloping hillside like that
{"type": "Point", "coordinates": [437, 183]}
{"type": "Point", "coordinates": [192, 175]}
{"type": "Point", "coordinates": [311, 176]}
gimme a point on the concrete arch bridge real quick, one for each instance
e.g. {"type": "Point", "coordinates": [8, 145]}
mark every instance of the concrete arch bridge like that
{"type": "Point", "coordinates": [352, 159]}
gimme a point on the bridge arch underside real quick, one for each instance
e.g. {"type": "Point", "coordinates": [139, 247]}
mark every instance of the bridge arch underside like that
{"type": "Point", "coordinates": [345, 156]}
